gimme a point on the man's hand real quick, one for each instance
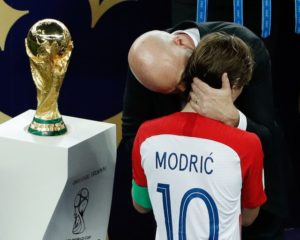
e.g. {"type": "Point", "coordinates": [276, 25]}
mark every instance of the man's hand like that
{"type": "Point", "coordinates": [214, 103]}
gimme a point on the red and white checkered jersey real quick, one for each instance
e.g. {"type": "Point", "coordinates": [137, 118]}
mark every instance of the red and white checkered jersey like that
{"type": "Point", "coordinates": [199, 173]}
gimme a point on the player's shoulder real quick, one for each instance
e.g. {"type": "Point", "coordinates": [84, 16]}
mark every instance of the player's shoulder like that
{"type": "Point", "coordinates": [152, 123]}
{"type": "Point", "coordinates": [245, 135]}
{"type": "Point", "coordinates": [246, 141]}
{"type": "Point", "coordinates": [156, 126]}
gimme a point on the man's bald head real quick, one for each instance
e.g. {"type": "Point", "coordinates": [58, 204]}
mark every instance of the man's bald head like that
{"type": "Point", "coordinates": [157, 59]}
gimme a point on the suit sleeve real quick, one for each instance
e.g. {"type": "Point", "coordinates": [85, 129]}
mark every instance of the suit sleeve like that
{"type": "Point", "coordinates": [137, 108]}
{"type": "Point", "coordinates": [256, 101]}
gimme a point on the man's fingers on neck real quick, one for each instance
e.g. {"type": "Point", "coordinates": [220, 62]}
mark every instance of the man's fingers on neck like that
{"type": "Point", "coordinates": [198, 83]}
{"type": "Point", "coordinates": [225, 81]}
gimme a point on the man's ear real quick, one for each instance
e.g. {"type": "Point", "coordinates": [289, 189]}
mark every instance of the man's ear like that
{"type": "Point", "coordinates": [180, 88]}
{"type": "Point", "coordinates": [177, 39]}
{"type": "Point", "coordinates": [184, 40]}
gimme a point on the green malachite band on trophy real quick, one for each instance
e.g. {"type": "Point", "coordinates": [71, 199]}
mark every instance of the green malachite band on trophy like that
{"type": "Point", "coordinates": [42, 121]}
{"type": "Point", "coordinates": [51, 127]}
{"type": "Point", "coordinates": [47, 133]}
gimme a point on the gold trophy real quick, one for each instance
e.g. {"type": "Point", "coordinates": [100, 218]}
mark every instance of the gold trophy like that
{"type": "Point", "coordinates": [49, 47]}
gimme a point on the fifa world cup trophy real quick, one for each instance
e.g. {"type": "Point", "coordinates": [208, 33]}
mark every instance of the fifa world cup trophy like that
{"type": "Point", "coordinates": [49, 47]}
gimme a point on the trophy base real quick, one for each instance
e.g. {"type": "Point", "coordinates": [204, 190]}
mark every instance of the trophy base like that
{"type": "Point", "coordinates": [53, 127]}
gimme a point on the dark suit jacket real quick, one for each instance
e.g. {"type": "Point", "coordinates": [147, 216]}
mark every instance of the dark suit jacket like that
{"type": "Point", "coordinates": [256, 102]}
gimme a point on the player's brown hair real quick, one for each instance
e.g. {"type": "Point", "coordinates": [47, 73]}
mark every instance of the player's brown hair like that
{"type": "Point", "coordinates": [217, 53]}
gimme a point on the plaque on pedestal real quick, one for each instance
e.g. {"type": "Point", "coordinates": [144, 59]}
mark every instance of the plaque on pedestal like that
{"type": "Point", "coordinates": [58, 187]}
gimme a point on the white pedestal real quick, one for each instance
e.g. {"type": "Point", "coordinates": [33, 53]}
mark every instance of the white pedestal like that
{"type": "Point", "coordinates": [56, 187]}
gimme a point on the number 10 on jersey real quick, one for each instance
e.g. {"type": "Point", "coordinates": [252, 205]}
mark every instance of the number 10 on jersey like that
{"type": "Point", "coordinates": [164, 189]}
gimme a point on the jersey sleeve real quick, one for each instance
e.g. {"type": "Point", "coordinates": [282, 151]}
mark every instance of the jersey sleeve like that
{"type": "Point", "coordinates": [253, 194]}
{"type": "Point", "coordinates": [139, 184]}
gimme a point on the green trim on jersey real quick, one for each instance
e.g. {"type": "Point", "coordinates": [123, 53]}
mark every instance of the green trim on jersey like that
{"type": "Point", "coordinates": [141, 195]}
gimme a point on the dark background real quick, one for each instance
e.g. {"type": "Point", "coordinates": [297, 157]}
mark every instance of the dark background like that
{"type": "Point", "coordinates": [94, 83]}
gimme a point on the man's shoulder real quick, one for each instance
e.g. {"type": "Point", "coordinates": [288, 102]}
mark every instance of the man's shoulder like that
{"type": "Point", "coordinates": [211, 25]}
{"type": "Point", "coordinates": [229, 27]}
{"type": "Point", "coordinates": [217, 26]}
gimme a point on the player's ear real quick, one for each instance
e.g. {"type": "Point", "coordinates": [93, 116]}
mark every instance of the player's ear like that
{"type": "Point", "coordinates": [235, 92]}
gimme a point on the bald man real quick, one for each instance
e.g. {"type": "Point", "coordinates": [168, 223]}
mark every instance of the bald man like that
{"type": "Point", "coordinates": [150, 69]}
{"type": "Point", "coordinates": [157, 59]}
{"type": "Point", "coordinates": [155, 71]}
